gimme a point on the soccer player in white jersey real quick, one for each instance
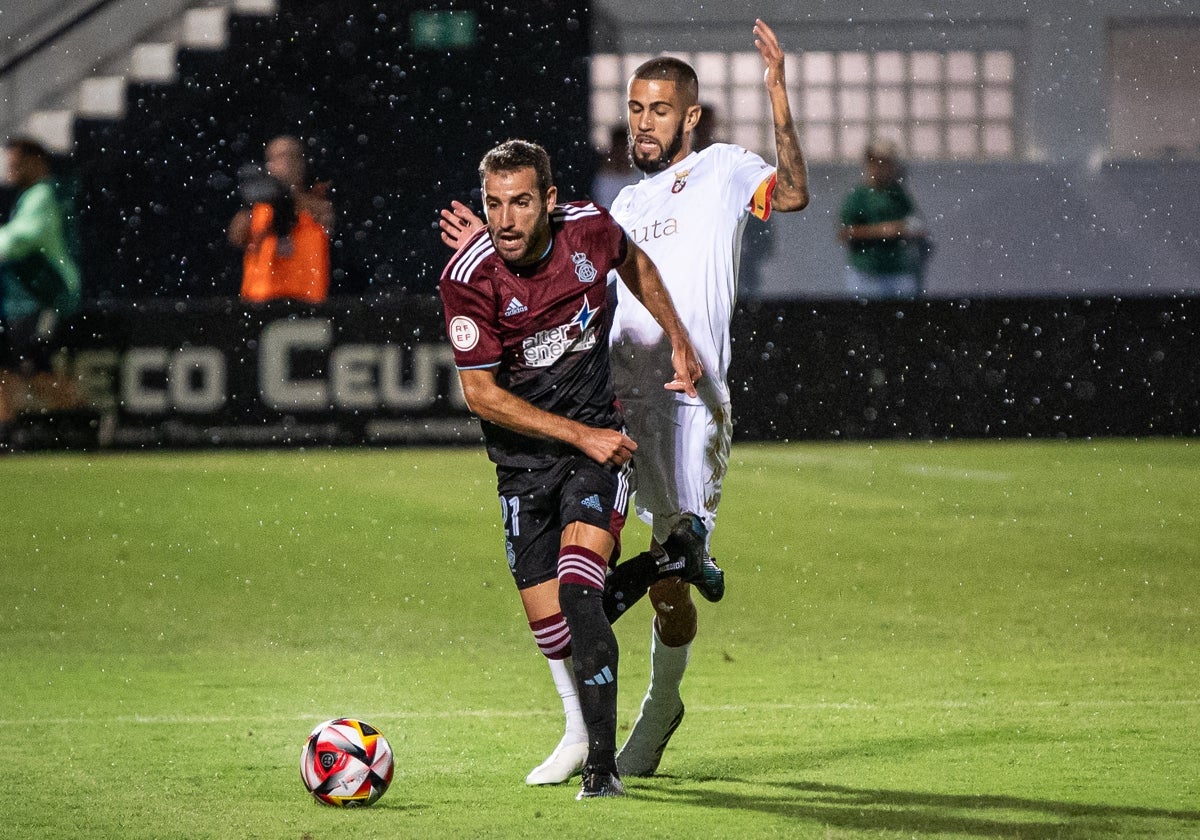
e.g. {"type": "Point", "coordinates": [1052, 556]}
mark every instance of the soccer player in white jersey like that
{"type": "Point", "coordinates": [688, 214]}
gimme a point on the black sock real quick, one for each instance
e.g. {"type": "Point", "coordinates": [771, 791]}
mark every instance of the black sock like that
{"type": "Point", "coordinates": [594, 652]}
{"type": "Point", "coordinates": [627, 583]}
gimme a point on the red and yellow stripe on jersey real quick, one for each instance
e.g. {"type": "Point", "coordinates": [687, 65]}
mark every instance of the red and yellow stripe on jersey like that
{"type": "Point", "coordinates": [760, 204]}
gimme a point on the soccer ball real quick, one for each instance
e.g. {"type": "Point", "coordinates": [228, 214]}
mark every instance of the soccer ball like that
{"type": "Point", "coordinates": [346, 763]}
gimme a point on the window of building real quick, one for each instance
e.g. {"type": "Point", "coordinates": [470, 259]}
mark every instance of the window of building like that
{"type": "Point", "coordinates": [1153, 90]}
{"type": "Point", "coordinates": [934, 105]}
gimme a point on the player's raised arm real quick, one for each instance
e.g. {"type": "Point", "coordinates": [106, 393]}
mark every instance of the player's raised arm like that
{"type": "Point", "coordinates": [639, 273]}
{"type": "Point", "coordinates": [791, 188]}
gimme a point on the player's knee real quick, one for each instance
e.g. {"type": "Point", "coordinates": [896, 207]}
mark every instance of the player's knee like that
{"type": "Point", "coordinates": [581, 599]}
{"type": "Point", "coordinates": [581, 566]}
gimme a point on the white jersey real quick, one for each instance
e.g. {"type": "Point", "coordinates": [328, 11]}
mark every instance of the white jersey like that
{"type": "Point", "coordinates": [689, 218]}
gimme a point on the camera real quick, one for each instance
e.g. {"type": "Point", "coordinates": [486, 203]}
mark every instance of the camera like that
{"type": "Point", "coordinates": [257, 187]}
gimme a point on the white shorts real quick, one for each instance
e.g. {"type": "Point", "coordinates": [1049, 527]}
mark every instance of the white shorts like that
{"type": "Point", "coordinates": [681, 459]}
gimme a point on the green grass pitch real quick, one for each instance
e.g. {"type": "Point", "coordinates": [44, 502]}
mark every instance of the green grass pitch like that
{"type": "Point", "coordinates": [951, 640]}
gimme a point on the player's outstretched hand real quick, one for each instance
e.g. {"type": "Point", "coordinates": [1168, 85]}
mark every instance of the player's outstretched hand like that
{"type": "Point", "coordinates": [608, 447]}
{"type": "Point", "coordinates": [772, 54]}
{"type": "Point", "coordinates": [687, 369]}
{"type": "Point", "coordinates": [458, 223]}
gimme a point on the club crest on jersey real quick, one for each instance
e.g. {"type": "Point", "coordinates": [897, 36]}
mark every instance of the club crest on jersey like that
{"type": "Point", "coordinates": [584, 270]}
{"type": "Point", "coordinates": [680, 181]}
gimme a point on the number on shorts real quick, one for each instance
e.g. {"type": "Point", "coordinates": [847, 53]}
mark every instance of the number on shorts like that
{"type": "Point", "coordinates": [510, 509]}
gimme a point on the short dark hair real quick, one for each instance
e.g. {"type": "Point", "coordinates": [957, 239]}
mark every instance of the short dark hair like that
{"type": "Point", "coordinates": [28, 147]}
{"type": "Point", "coordinates": [668, 69]}
{"type": "Point", "coordinates": [882, 150]}
{"type": "Point", "coordinates": [518, 154]}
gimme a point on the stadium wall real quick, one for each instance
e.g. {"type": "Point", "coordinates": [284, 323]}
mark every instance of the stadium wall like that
{"type": "Point", "coordinates": [215, 374]}
{"type": "Point", "coordinates": [1004, 230]}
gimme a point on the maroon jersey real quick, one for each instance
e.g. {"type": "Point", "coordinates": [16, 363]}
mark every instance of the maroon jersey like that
{"type": "Point", "coordinates": [543, 328]}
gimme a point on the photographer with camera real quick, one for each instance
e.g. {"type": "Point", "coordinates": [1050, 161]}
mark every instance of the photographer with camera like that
{"type": "Point", "coordinates": [284, 228]}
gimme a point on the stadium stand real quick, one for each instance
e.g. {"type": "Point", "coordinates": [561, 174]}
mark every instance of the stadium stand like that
{"type": "Point", "coordinates": [397, 126]}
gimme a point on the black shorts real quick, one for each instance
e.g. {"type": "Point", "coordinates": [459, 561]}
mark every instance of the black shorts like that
{"type": "Point", "coordinates": [538, 503]}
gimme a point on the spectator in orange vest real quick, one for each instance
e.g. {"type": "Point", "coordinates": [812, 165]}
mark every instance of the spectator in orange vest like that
{"type": "Point", "coordinates": [284, 230]}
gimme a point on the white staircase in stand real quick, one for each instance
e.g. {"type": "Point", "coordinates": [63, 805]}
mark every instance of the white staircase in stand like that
{"type": "Point", "coordinates": [102, 96]}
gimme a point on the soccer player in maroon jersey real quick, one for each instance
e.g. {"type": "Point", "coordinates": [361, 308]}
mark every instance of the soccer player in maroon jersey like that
{"type": "Point", "coordinates": [528, 314]}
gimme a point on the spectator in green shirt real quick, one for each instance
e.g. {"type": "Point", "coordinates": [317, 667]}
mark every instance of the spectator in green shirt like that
{"type": "Point", "coordinates": [885, 241]}
{"type": "Point", "coordinates": [39, 285]}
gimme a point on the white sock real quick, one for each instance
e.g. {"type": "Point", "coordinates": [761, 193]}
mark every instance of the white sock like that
{"type": "Point", "coordinates": [661, 709]}
{"type": "Point", "coordinates": [563, 672]}
{"type": "Point", "coordinates": [667, 665]}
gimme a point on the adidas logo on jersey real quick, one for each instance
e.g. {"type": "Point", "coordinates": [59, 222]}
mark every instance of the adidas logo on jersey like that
{"type": "Point", "coordinates": [515, 307]}
{"type": "Point", "coordinates": [593, 502]}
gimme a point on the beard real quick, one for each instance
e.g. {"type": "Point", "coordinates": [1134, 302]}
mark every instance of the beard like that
{"type": "Point", "coordinates": [658, 164]}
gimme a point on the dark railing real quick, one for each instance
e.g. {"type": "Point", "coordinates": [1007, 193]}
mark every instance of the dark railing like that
{"type": "Point", "coordinates": [26, 53]}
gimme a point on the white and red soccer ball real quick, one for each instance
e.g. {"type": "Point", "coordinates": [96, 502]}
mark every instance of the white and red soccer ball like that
{"type": "Point", "coordinates": [346, 762]}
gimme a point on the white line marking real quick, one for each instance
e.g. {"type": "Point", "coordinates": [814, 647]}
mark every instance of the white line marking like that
{"type": "Point", "coordinates": [850, 705]}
